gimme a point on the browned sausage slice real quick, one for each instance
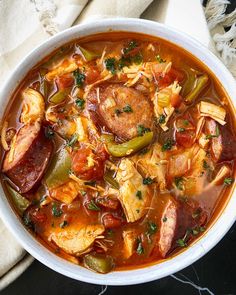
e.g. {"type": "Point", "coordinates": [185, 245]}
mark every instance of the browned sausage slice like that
{"type": "Point", "coordinates": [122, 109]}
{"type": "Point", "coordinates": [27, 159]}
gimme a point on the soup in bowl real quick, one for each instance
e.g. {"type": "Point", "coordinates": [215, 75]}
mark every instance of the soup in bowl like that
{"type": "Point", "coordinates": [118, 151]}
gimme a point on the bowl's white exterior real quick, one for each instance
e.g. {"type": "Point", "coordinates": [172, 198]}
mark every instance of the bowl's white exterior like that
{"type": "Point", "coordinates": [190, 255]}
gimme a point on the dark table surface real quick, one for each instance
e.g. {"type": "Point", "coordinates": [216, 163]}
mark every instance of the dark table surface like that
{"type": "Point", "coordinates": [215, 273]}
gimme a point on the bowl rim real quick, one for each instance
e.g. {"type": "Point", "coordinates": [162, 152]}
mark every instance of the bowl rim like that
{"type": "Point", "coordinates": [148, 273]}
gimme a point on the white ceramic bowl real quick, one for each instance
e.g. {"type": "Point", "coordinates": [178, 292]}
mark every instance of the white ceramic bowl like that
{"type": "Point", "coordinates": [192, 253]}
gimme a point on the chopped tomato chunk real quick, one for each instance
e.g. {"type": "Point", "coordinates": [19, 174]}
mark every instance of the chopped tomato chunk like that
{"type": "Point", "coordinates": [92, 74]}
{"type": "Point", "coordinates": [185, 138]}
{"type": "Point", "coordinates": [87, 165]}
{"type": "Point", "coordinates": [110, 221]}
{"type": "Point", "coordinates": [65, 81]}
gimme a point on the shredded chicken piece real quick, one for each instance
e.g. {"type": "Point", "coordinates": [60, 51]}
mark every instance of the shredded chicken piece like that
{"type": "Point", "coordinates": [130, 182]}
{"type": "Point", "coordinates": [33, 106]}
{"type": "Point", "coordinates": [77, 242]}
{"type": "Point", "coordinates": [129, 237]}
{"type": "Point", "coordinates": [213, 111]}
{"type": "Point", "coordinates": [3, 136]}
{"type": "Point", "coordinates": [67, 66]}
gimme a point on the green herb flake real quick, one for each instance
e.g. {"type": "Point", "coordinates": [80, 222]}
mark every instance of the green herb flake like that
{"type": "Point", "coordinates": [217, 134]}
{"type": "Point", "coordinates": [142, 129]}
{"type": "Point", "coordinates": [56, 211]}
{"type": "Point", "coordinates": [205, 165]}
{"type": "Point", "coordinates": [181, 243]}
{"type": "Point", "coordinates": [179, 183]}
{"type": "Point", "coordinates": [127, 109]}
{"type": "Point", "coordinates": [159, 59]}
{"type": "Point", "coordinates": [132, 44]}
{"type": "Point", "coordinates": [168, 145]}
{"type": "Point", "coordinates": [137, 59]}
{"type": "Point", "coordinates": [164, 219]}
{"type": "Point", "coordinates": [80, 102]}
{"type": "Point", "coordinates": [137, 210]}
{"type": "Point", "coordinates": [152, 227]}
{"type": "Point", "coordinates": [93, 206]}
{"type": "Point", "coordinates": [181, 130]}
{"type": "Point", "coordinates": [110, 65]}
{"type": "Point", "coordinates": [147, 181]}
{"type": "Point", "coordinates": [228, 181]}
{"type": "Point", "coordinates": [186, 122]}
{"type": "Point", "coordinates": [110, 232]}
{"type": "Point", "coordinates": [139, 195]}
{"type": "Point", "coordinates": [49, 132]}
{"type": "Point", "coordinates": [63, 224]}
{"type": "Point", "coordinates": [140, 249]}
{"type": "Point", "coordinates": [118, 112]}
{"type": "Point", "coordinates": [83, 193]}
{"type": "Point", "coordinates": [79, 78]}
{"type": "Point", "coordinates": [162, 119]}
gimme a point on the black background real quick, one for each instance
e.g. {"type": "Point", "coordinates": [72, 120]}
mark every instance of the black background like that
{"type": "Point", "coordinates": [215, 271]}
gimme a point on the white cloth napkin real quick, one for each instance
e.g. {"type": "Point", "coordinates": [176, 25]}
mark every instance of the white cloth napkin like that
{"type": "Point", "coordinates": [25, 24]}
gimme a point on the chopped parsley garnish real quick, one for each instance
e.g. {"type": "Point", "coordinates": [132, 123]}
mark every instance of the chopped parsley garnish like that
{"type": "Point", "coordinates": [168, 145]}
{"type": "Point", "coordinates": [209, 136]}
{"type": "Point", "coordinates": [186, 122]}
{"type": "Point", "coordinates": [127, 109]}
{"type": "Point", "coordinates": [83, 193]}
{"type": "Point", "coordinates": [164, 219]}
{"type": "Point", "coordinates": [137, 210]}
{"type": "Point", "coordinates": [118, 112]}
{"type": "Point", "coordinates": [140, 249]}
{"type": "Point", "coordinates": [205, 165]}
{"type": "Point", "coordinates": [181, 129]}
{"type": "Point", "coordinates": [138, 58]}
{"type": "Point", "coordinates": [27, 220]}
{"type": "Point", "coordinates": [142, 129]}
{"type": "Point", "coordinates": [79, 78]}
{"type": "Point", "coordinates": [181, 243]}
{"type": "Point", "coordinates": [162, 119]}
{"type": "Point", "coordinates": [56, 211]}
{"type": "Point", "coordinates": [110, 232]}
{"type": "Point", "coordinates": [228, 181]}
{"type": "Point", "coordinates": [93, 206]}
{"type": "Point", "coordinates": [110, 64]}
{"type": "Point", "coordinates": [159, 59]}
{"type": "Point", "coordinates": [72, 140]}
{"type": "Point", "coordinates": [49, 132]}
{"type": "Point", "coordinates": [80, 102]}
{"type": "Point", "coordinates": [179, 183]}
{"type": "Point", "coordinates": [132, 44]}
{"type": "Point", "coordinates": [147, 180]}
{"type": "Point", "coordinates": [139, 195]}
{"type": "Point", "coordinates": [152, 227]}
{"type": "Point", "coordinates": [63, 224]}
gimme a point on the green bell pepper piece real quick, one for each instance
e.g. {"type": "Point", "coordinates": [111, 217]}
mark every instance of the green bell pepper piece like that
{"type": "Point", "coordinates": [200, 84]}
{"type": "Point", "coordinates": [58, 172]}
{"type": "Point", "coordinates": [99, 263]}
{"type": "Point", "coordinates": [126, 148]}
{"type": "Point", "coordinates": [20, 202]}
{"type": "Point", "coordinates": [88, 55]}
{"type": "Point", "coordinates": [59, 96]}
{"type": "Point", "coordinates": [110, 179]}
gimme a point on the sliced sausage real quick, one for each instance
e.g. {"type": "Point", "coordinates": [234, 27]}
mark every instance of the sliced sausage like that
{"type": "Point", "coordinates": [122, 109]}
{"type": "Point", "coordinates": [27, 159]}
{"type": "Point", "coordinates": [168, 226]}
